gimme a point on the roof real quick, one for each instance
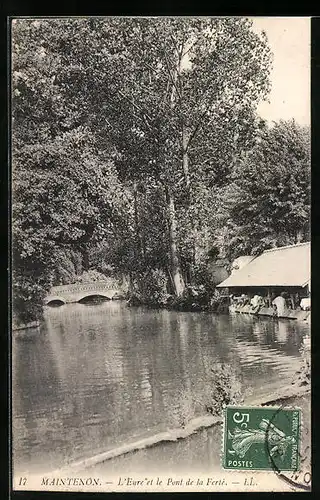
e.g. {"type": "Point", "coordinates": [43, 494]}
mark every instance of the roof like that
{"type": "Point", "coordinates": [240, 262]}
{"type": "Point", "coordinates": [284, 266]}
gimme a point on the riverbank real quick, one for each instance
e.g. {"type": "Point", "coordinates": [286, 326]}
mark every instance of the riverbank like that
{"type": "Point", "coordinates": [199, 454]}
{"type": "Point", "coordinates": [190, 464]}
{"type": "Point", "coordinates": [201, 302]}
{"type": "Point", "coordinates": [197, 446]}
{"type": "Point", "coordinates": [193, 301]}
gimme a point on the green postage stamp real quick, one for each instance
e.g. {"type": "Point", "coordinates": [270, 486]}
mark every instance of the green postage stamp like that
{"type": "Point", "coordinates": [261, 438]}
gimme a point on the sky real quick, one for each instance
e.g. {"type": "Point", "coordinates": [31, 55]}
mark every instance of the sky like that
{"type": "Point", "coordinates": [289, 40]}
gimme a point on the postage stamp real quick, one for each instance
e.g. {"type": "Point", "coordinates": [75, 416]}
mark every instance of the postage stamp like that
{"type": "Point", "coordinates": [261, 438]}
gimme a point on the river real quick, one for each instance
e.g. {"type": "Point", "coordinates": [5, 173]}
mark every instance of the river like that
{"type": "Point", "coordinates": [97, 376]}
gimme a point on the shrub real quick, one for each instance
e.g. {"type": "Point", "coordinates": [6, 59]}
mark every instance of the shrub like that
{"type": "Point", "coordinates": [94, 275]}
{"type": "Point", "coordinates": [27, 297]}
{"type": "Point", "coordinates": [151, 287]}
{"type": "Point", "coordinates": [303, 375]}
{"type": "Point", "coordinates": [226, 388]}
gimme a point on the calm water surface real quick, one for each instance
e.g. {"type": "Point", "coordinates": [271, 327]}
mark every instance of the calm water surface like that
{"type": "Point", "coordinates": [98, 376]}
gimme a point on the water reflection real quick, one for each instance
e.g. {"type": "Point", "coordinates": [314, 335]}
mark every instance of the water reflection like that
{"type": "Point", "coordinates": [97, 376]}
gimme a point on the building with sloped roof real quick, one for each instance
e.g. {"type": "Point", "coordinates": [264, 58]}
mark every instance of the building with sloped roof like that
{"type": "Point", "coordinates": [279, 267]}
{"type": "Point", "coordinates": [278, 270]}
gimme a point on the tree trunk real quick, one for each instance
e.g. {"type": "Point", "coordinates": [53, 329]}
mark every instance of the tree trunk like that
{"type": "Point", "coordinates": [185, 166]}
{"type": "Point", "coordinates": [171, 282]}
{"type": "Point", "coordinates": [130, 284]}
{"type": "Point", "coordinates": [86, 258]}
{"type": "Point", "coordinates": [178, 281]}
{"type": "Point", "coordinates": [299, 236]}
{"type": "Point", "coordinates": [140, 247]}
{"type": "Point", "coordinates": [185, 158]}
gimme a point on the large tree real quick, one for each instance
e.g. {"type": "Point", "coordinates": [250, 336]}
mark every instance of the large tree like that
{"type": "Point", "coordinates": [122, 128]}
{"type": "Point", "coordinates": [177, 98]}
{"type": "Point", "coordinates": [267, 202]}
{"type": "Point", "coordinates": [66, 194]}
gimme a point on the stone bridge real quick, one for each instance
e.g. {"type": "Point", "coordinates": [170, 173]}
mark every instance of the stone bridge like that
{"type": "Point", "coordinates": [66, 294]}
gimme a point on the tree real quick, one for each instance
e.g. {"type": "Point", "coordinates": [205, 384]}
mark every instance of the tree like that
{"type": "Point", "coordinates": [66, 195]}
{"type": "Point", "coordinates": [64, 198]}
{"type": "Point", "coordinates": [122, 131]}
{"type": "Point", "coordinates": [267, 203]}
{"type": "Point", "coordinates": [171, 94]}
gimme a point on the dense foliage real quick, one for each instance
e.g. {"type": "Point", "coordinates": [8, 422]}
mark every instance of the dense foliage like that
{"type": "Point", "coordinates": [267, 202]}
{"type": "Point", "coordinates": [138, 153]}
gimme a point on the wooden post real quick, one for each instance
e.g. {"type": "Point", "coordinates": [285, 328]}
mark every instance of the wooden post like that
{"type": "Point", "coordinates": [292, 301]}
{"type": "Point", "coordinates": [269, 298]}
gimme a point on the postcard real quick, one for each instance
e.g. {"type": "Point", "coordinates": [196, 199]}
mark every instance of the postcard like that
{"type": "Point", "coordinates": [161, 287]}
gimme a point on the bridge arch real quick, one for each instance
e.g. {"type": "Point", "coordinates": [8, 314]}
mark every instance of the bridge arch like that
{"type": "Point", "coordinates": [55, 301]}
{"type": "Point", "coordinates": [99, 294]}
